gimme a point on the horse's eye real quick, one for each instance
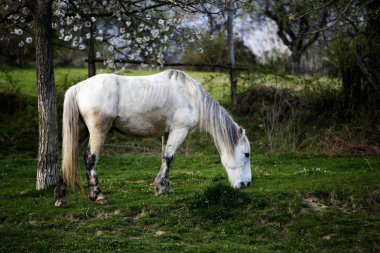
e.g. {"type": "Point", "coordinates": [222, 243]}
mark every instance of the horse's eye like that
{"type": "Point", "coordinates": [246, 154]}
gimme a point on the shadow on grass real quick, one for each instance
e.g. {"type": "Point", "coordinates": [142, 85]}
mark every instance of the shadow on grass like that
{"type": "Point", "coordinates": [219, 203]}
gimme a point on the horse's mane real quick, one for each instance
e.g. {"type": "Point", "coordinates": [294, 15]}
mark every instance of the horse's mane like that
{"type": "Point", "coordinates": [213, 118]}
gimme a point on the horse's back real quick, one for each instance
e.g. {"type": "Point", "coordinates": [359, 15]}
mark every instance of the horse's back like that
{"type": "Point", "coordinates": [99, 93]}
{"type": "Point", "coordinates": [143, 105]}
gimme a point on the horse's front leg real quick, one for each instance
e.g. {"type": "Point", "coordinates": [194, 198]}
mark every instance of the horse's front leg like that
{"type": "Point", "coordinates": [174, 140]}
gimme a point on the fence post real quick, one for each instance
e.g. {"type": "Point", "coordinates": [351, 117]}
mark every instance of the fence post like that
{"type": "Point", "coordinates": [231, 48]}
{"type": "Point", "coordinates": [91, 52]}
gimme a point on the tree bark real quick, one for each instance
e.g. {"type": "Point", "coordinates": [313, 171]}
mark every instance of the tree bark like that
{"type": "Point", "coordinates": [296, 63]}
{"type": "Point", "coordinates": [231, 50]}
{"type": "Point", "coordinates": [47, 170]}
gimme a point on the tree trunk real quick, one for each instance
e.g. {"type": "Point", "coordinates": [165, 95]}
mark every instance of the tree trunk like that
{"type": "Point", "coordinates": [352, 88]}
{"type": "Point", "coordinates": [47, 170]}
{"type": "Point", "coordinates": [296, 63]}
{"type": "Point", "coordinates": [231, 50]}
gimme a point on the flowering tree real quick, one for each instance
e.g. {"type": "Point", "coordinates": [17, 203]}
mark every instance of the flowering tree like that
{"type": "Point", "coordinates": [130, 28]}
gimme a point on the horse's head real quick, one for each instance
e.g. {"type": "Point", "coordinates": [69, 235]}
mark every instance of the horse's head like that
{"type": "Point", "coordinates": [238, 165]}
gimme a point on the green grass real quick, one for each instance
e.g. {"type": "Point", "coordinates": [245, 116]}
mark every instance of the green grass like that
{"type": "Point", "coordinates": [23, 81]}
{"type": "Point", "coordinates": [297, 203]}
{"type": "Point", "coordinates": [203, 214]}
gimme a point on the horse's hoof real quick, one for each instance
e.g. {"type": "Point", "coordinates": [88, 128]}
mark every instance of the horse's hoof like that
{"type": "Point", "coordinates": [101, 199]}
{"type": "Point", "coordinates": [61, 204]}
{"type": "Point", "coordinates": [163, 191]}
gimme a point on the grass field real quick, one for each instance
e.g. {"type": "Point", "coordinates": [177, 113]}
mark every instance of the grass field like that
{"type": "Point", "coordinates": [296, 204]}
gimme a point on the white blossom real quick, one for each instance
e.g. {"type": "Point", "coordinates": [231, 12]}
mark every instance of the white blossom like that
{"type": "Point", "coordinates": [82, 46]}
{"type": "Point", "coordinates": [18, 31]}
{"type": "Point", "coordinates": [93, 19]}
{"type": "Point", "coordinates": [67, 37]}
{"type": "Point", "coordinates": [29, 40]}
{"type": "Point", "coordinates": [69, 21]}
{"type": "Point", "coordinates": [154, 33]}
{"type": "Point", "coordinates": [21, 44]}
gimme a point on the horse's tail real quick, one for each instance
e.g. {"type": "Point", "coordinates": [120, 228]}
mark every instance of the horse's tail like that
{"type": "Point", "coordinates": [70, 139]}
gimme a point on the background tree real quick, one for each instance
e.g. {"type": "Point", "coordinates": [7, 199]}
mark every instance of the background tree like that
{"type": "Point", "coordinates": [297, 29]}
{"type": "Point", "coordinates": [37, 16]}
{"type": "Point", "coordinates": [356, 51]}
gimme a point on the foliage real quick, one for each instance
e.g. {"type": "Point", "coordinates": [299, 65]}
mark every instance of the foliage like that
{"type": "Point", "coordinates": [214, 50]}
{"type": "Point", "coordinates": [354, 53]}
{"type": "Point", "coordinates": [289, 113]}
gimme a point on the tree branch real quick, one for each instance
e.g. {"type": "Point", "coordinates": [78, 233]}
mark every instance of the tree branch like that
{"type": "Point", "coordinates": [336, 21]}
{"type": "Point", "coordinates": [13, 9]}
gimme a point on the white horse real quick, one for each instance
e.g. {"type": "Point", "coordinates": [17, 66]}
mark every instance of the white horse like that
{"type": "Point", "coordinates": [169, 104]}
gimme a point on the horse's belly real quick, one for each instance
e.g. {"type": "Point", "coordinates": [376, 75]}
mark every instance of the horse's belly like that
{"type": "Point", "coordinates": [142, 125]}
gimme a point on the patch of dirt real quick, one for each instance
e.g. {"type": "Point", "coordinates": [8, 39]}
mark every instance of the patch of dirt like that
{"type": "Point", "coordinates": [107, 213]}
{"type": "Point", "coordinates": [369, 202]}
{"type": "Point", "coordinates": [71, 218]}
{"type": "Point", "coordinates": [33, 222]}
{"type": "Point", "coordinates": [314, 203]}
{"type": "Point", "coordinates": [139, 215]}
{"type": "Point", "coordinates": [159, 233]}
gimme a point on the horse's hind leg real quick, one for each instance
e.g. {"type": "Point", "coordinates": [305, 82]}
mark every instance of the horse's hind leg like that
{"type": "Point", "coordinates": [60, 193]}
{"type": "Point", "coordinates": [95, 192]}
{"type": "Point", "coordinates": [61, 188]}
{"type": "Point", "coordinates": [174, 140]}
{"type": "Point", "coordinates": [98, 131]}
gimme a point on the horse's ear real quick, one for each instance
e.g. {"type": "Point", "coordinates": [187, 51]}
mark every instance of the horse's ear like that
{"type": "Point", "coordinates": [241, 132]}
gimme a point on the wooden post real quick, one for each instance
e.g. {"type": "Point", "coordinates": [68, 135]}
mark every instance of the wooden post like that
{"type": "Point", "coordinates": [91, 52]}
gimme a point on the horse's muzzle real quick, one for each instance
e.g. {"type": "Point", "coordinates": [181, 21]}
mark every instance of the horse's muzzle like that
{"type": "Point", "coordinates": [242, 185]}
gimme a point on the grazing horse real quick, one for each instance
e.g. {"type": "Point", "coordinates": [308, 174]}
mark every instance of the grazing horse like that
{"type": "Point", "coordinates": [169, 104]}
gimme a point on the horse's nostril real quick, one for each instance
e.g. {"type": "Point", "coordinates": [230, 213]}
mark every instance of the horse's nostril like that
{"type": "Point", "coordinates": [248, 184]}
{"type": "Point", "coordinates": [242, 185]}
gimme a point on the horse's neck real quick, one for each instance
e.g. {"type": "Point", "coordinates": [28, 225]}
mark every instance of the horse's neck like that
{"type": "Point", "coordinates": [218, 123]}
